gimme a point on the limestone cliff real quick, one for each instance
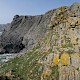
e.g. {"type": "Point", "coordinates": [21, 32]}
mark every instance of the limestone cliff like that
{"type": "Point", "coordinates": [57, 54]}
{"type": "Point", "coordinates": [24, 32]}
{"type": "Point", "coordinates": [62, 43]}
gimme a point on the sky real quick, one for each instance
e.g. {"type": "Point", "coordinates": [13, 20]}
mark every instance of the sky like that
{"type": "Point", "coordinates": [9, 8]}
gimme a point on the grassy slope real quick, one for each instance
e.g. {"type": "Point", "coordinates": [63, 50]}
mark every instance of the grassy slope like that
{"type": "Point", "coordinates": [24, 67]}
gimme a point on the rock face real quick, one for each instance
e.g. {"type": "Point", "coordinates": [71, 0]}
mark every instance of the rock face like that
{"type": "Point", "coordinates": [62, 39]}
{"type": "Point", "coordinates": [57, 54]}
{"type": "Point", "coordinates": [68, 66]}
{"type": "Point", "coordinates": [24, 32]}
{"type": "Point", "coordinates": [3, 26]}
{"type": "Point", "coordinates": [2, 29]}
{"type": "Point", "coordinates": [76, 8]}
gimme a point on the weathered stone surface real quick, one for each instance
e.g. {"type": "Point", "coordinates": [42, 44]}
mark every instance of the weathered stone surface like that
{"type": "Point", "coordinates": [75, 8]}
{"type": "Point", "coordinates": [69, 71]}
{"type": "Point", "coordinates": [58, 35]}
{"type": "Point", "coordinates": [3, 26]}
{"type": "Point", "coordinates": [24, 32]}
{"type": "Point", "coordinates": [46, 66]}
{"type": "Point", "coordinates": [65, 59]}
{"type": "Point", "coordinates": [68, 66]}
{"type": "Point", "coordinates": [64, 39]}
{"type": "Point", "coordinates": [75, 60]}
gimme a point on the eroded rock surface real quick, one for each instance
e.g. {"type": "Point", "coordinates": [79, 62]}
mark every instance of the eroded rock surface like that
{"type": "Point", "coordinates": [63, 40]}
{"type": "Point", "coordinates": [57, 55]}
{"type": "Point", "coordinates": [24, 32]}
{"type": "Point", "coordinates": [68, 66]}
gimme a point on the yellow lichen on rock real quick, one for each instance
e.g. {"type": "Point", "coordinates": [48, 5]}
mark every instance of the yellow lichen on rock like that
{"type": "Point", "coordinates": [68, 65]}
{"type": "Point", "coordinates": [65, 58]}
{"type": "Point", "coordinates": [56, 59]}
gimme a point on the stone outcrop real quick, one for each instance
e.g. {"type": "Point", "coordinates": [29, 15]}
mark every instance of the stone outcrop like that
{"type": "Point", "coordinates": [24, 32]}
{"type": "Point", "coordinates": [3, 26]}
{"type": "Point", "coordinates": [70, 70]}
{"type": "Point", "coordinates": [57, 54]}
{"type": "Point", "coordinates": [62, 39]}
{"type": "Point", "coordinates": [2, 29]}
{"type": "Point", "coordinates": [68, 66]}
